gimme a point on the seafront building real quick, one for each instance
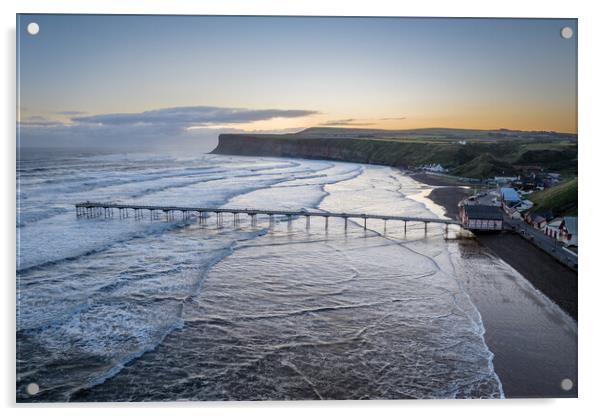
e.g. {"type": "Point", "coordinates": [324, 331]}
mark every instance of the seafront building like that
{"type": "Point", "coordinates": [481, 217]}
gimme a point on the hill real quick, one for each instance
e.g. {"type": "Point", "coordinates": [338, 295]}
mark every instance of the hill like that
{"type": "Point", "coordinates": [471, 153]}
{"type": "Point", "coordinates": [560, 199]}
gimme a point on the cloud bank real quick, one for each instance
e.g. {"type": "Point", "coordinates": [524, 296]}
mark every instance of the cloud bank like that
{"type": "Point", "coordinates": [394, 118]}
{"type": "Point", "coordinates": [165, 126]}
{"type": "Point", "coordinates": [191, 116]}
{"type": "Point", "coordinates": [345, 122]}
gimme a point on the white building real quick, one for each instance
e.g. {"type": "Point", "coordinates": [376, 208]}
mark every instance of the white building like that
{"type": "Point", "coordinates": [437, 168]}
{"type": "Point", "coordinates": [563, 229]}
{"type": "Point", "coordinates": [481, 217]}
{"type": "Point", "coordinates": [505, 179]}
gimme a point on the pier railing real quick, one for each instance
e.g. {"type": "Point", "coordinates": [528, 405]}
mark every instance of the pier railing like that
{"type": "Point", "coordinates": [98, 209]}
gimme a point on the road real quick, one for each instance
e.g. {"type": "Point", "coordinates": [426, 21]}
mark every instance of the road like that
{"type": "Point", "coordinates": [550, 245]}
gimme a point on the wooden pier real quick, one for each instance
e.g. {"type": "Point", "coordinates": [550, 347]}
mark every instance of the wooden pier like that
{"type": "Point", "coordinates": [107, 210]}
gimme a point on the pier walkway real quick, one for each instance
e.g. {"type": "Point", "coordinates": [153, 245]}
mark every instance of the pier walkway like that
{"type": "Point", "coordinates": [98, 209]}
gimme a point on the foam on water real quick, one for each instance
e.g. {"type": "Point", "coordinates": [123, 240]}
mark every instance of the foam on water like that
{"type": "Point", "coordinates": [239, 312]}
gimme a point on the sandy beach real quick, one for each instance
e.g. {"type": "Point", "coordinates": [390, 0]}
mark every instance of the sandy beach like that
{"type": "Point", "coordinates": [523, 368]}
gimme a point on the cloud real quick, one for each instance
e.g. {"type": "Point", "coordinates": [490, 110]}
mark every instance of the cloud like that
{"type": "Point", "coordinates": [184, 117]}
{"type": "Point", "coordinates": [71, 113]}
{"type": "Point", "coordinates": [394, 118]}
{"type": "Point", "coordinates": [39, 121]}
{"type": "Point", "coordinates": [197, 127]}
{"type": "Point", "coordinates": [345, 122]}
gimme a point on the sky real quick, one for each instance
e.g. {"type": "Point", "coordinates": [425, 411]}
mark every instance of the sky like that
{"type": "Point", "coordinates": [88, 80]}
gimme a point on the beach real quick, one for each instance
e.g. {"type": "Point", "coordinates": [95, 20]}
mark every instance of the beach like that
{"type": "Point", "coordinates": [552, 278]}
{"type": "Point", "coordinates": [277, 310]}
{"type": "Point", "coordinates": [527, 368]}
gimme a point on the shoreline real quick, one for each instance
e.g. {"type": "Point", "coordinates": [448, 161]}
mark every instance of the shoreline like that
{"type": "Point", "coordinates": [557, 282]}
{"type": "Point", "coordinates": [553, 279]}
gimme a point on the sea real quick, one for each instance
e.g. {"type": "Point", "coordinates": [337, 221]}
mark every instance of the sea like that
{"type": "Point", "coordinates": [158, 309]}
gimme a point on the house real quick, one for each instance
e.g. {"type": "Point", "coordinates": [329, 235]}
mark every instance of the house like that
{"type": "Point", "coordinates": [525, 205]}
{"type": "Point", "coordinates": [509, 197]}
{"type": "Point", "coordinates": [552, 229]}
{"type": "Point", "coordinates": [539, 222]}
{"type": "Point", "coordinates": [568, 231]}
{"type": "Point", "coordinates": [514, 213]}
{"type": "Point", "coordinates": [538, 219]}
{"type": "Point", "coordinates": [437, 168]}
{"type": "Point", "coordinates": [481, 217]}
{"type": "Point", "coordinates": [500, 180]}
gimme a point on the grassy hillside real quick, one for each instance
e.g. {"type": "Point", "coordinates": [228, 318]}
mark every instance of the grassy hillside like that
{"type": "Point", "coordinates": [479, 157]}
{"type": "Point", "coordinates": [560, 199]}
{"type": "Point", "coordinates": [483, 166]}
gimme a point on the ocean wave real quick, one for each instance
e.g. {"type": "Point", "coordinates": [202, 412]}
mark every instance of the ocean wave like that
{"type": "Point", "coordinates": [97, 297]}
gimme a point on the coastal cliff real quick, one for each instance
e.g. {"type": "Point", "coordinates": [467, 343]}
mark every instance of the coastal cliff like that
{"type": "Point", "coordinates": [348, 150]}
{"type": "Point", "coordinates": [476, 158]}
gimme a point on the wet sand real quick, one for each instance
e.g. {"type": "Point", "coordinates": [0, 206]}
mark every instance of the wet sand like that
{"type": "Point", "coordinates": [555, 280]}
{"type": "Point", "coordinates": [533, 340]}
{"type": "Point", "coordinates": [532, 352]}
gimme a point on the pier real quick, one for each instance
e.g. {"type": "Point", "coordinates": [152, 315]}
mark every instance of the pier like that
{"type": "Point", "coordinates": [155, 212]}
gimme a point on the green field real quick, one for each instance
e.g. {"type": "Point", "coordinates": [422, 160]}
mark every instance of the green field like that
{"type": "Point", "coordinates": [560, 199]}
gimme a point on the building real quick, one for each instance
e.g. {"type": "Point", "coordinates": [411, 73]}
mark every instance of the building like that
{"type": "Point", "coordinates": [501, 180]}
{"type": "Point", "coordinates": [436, 168]}
{"type": "Point", "coordinates": [481, 217]}
{"type": "Point", "coordinates": [509, 197]}
{"type": "Point", "coordinates": [552, 229]}
{"type": "Point", "coordinates": [568, 231]}
{"type": "Point", "coordinates": [563, 229]}
{"type": "Point", "coordinates": [514, 213]}
{"type": "Point", "coordinates": [538, 219]}
{"type": "Point", "coordinates": [525, 205]}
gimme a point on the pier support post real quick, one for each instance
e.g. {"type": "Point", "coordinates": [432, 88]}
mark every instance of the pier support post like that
{"type": "Point", "coordinates": [364, 223]}
{"type": "Point", "coordinates": [307, 221]}
{"type": "Point", "coordinates": [425, 223]}
{"type": "Point", "coordinates": [405, 227]}
{"type": "Point", "coordinates": [346, 220]}
{"type": "Point", "coordinates": [326, 222]}
{"type": "Point", "coordinates": [385, 226]}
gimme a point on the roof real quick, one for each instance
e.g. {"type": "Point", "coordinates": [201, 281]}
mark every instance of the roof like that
{"type": "Point", "coordinates": [571, 225]}
{"type": "Point", "coordinates": [537, 219]}
{"type": "Point", "coordinates": [547, 215]}
{"type": "Point", "coordinates": [483, 212]}
{"type": "Point", "coordinates": [509, 194]}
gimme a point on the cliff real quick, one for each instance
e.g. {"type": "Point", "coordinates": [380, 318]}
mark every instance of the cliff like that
{"type": "Point", "coordinates": [477, 158]}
